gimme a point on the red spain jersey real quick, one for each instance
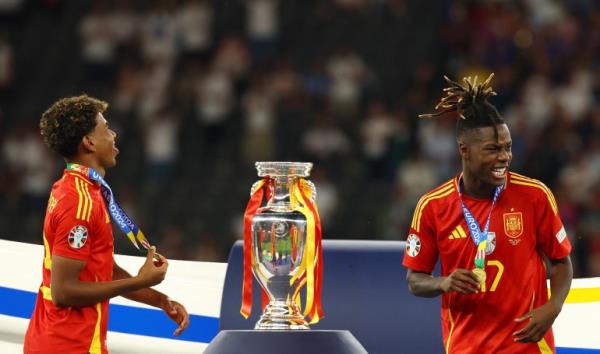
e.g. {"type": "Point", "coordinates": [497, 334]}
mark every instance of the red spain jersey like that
{"type": "Point", "coordinates": [524, 227]}
{"type": "Point", "coordinates": [77, 225]}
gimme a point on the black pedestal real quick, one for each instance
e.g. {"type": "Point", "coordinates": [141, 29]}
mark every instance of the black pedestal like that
{"type": "Point", "coordinates": [284, 342]}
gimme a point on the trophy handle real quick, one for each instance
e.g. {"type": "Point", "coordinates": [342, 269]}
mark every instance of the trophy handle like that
{"type": "Point", "coordinates": [313, 190]}
{"type": "Point", "coordinates": [255, 186]}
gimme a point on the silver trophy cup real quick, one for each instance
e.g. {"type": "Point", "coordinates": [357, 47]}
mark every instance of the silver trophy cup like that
{"type": "Point", "coordinates": [278, 239]}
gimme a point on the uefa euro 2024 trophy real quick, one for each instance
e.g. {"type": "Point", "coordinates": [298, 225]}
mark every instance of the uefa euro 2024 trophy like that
{"type": "Point", "coordinates": [282, 246]}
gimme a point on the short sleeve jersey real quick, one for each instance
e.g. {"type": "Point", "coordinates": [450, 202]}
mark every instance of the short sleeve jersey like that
{"type": "Point", "coordinates": [77, 226]}
{"type": "Point", "coordinates": [524, 227]}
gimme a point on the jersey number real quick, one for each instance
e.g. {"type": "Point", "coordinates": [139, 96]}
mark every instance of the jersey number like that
{"type": "Point", "coordinates": [500, 267]}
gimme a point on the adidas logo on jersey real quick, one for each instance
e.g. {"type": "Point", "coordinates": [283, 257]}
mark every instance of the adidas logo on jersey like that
{"type": "Point", "coordinates": [459, 232]}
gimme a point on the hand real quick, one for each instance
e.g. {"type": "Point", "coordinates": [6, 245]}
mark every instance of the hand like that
{"type": "Point", "coordinates": [153, 271]}
{"type": "Point", "coordinates": [462, 281]}
{"type": "Point", "coordinates": [177, 313]}
{"type": "Point", "coordinates": [540, 320]}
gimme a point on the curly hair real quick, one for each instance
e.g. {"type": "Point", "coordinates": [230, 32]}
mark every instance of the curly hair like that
{"type": "Point", "coordinates": [470, 102]}
{"type": "Point", "coordinates": [68, 120]}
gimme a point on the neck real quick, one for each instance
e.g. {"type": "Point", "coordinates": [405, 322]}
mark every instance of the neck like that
{"type": "Point", "coordinates": [475, 187]}
{"type": "Point", "coordinates": [89, 163]}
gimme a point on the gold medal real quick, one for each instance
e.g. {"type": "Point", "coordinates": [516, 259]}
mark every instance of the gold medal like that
{"type": "Point", "coordinates": [480, 273]}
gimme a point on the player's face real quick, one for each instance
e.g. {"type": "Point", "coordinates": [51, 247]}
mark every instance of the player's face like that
{"type": "Point", "coordinates": [104, 141]}
{"type": "Point", "coordinates": [487, 158]}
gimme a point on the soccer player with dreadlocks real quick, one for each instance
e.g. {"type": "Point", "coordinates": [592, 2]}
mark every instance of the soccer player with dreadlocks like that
{"type": "Point", "coordinates": [492, 231]}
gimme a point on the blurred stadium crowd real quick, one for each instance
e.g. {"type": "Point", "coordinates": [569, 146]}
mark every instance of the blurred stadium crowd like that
{"type": "Point", "coordinates": [201, 89]}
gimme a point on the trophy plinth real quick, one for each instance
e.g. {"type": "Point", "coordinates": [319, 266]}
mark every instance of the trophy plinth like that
{"type": "Point", "coordinates": [289, 342]}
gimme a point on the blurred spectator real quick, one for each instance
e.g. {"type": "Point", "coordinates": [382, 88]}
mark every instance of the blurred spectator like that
{"type": "Point", "coordinates": [325, 141]}
{"type": "Point", "coordinates": [214, 102]}
{"type": "Point", "coordinates": [262, 27]}
{"type": "Point", "coordinates": [377, 131]}
{"type": "Point", "coordinates": [159, 33]}
{"type": "Point", "coordinates": [259, 114]}
{"type": "Point", "coordinates": [161, 147]}
{"type": "Point", "coordinates": [348, 79]}
{"type": "Point", "coordinates": [99, 43]}
{"type": "Point", "coordinates": [232, 58]}
{"type": "Point", "coordinates": [194, 21]}
{"type": "Point", "coordinates": [438, 143]}
{"type": "Point", "coordinates": [416, 176]}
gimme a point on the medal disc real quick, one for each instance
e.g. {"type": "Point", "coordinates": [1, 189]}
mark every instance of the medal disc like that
{"type": "Point", "coordinates": [480, 273]}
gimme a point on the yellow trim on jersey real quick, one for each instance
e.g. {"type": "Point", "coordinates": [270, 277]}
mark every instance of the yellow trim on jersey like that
{"type": "Point", "coordinates": [544, 347]}
{"type": "Point", "coordinates": [525, 181]}
{"type": "Point", "coordinates": [80, 200]}
{"type": "Point", "coordinates": [47, 255]}
{"type": "Point", "coordinates": [89, 213]}
{"type": "Point", "coordinates": [417, 208]}
{"type": "Point", "coordinates": [451, 330]}
{"type": "Point", "coordinates": [418, 224]}
{"type": "Point", "coordinates": [46, 293]}
{"type": "Point", "coordinates": [95, 347]}
{"type": "Point", "coordinates": [84, 198]}
{"type": "Point", "coordinates": [425, 199]}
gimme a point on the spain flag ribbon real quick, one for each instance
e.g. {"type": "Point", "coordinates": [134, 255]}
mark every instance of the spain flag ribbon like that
{"type": "Point", "coordinates": [314, 250]}
{"type": "Point", "coordinates": [254, 203]}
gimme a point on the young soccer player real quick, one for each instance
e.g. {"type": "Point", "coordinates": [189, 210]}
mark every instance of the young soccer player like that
{"type": "Point", "coordinates": [491, 229]}
{"type": "Point", "coordinates": [79, 272]}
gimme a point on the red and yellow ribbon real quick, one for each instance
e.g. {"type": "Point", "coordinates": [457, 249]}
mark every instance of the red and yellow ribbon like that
{"type": "Point", "coordinates": [314, 252]}
{"type": "Point", "coordinates": [254, 203]}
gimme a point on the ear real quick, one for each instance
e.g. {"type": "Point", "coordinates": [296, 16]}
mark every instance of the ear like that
{"type": "Point", "coordinates": [463, 150]}
{"type": "Point", "coordinates": [87, 143]}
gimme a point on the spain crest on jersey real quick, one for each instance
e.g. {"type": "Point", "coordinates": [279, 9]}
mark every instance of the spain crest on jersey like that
{"type": "Point", "coordinates": [513, 224]}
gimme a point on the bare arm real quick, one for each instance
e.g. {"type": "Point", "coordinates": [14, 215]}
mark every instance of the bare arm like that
{"type": "Point", "coordinates": [147, 295]}
{"type": "Point", "coordinates": [541, 318]}
{"type": "Point", "coordinates": [560, 281]}
{"type": "Point", "coordinates": [425, 285]}
{"type": "Point", "coordinates": [173, 309]}
{"type": "Point", "coordinates": [68, 290]}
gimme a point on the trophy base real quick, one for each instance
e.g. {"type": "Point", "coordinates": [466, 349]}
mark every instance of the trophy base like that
{"type": "Point", "coordinates": [281, 316]}
{"type": "Point", "coordinates": [288, 342]}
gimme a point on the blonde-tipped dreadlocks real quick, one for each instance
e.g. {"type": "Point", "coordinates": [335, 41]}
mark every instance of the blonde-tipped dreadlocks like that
{"type": "Point", "coordinates": [458, 96]}
{"type": "Point", "coordinates": [470, 102]}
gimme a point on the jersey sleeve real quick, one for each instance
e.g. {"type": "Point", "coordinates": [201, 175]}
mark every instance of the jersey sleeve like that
{"type": "Point", "coordinates": [72, 225]}
{"type": "Point", "coordinates": [552, 238]}
{"type": "Point", "coordinates": [421, 246]}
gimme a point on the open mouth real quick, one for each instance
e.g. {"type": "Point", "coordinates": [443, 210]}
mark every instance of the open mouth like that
{"type": "Point", "coordinates": [499, 172]}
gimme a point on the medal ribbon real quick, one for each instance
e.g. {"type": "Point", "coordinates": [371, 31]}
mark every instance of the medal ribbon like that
{"type": "Point", "coordinates": [478, 236]}
{"type": "Point", "coordinates": [125, 223]}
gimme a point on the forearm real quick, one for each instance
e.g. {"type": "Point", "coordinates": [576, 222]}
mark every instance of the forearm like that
{"type": "Point", "coordinates": [85, 293]}
{"type": "Point", "coordinates": [560, 281]}
{"type": "Point", "coordinates": [424, 285]}
{"type": "Point", "coordinates": [147, 296]}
